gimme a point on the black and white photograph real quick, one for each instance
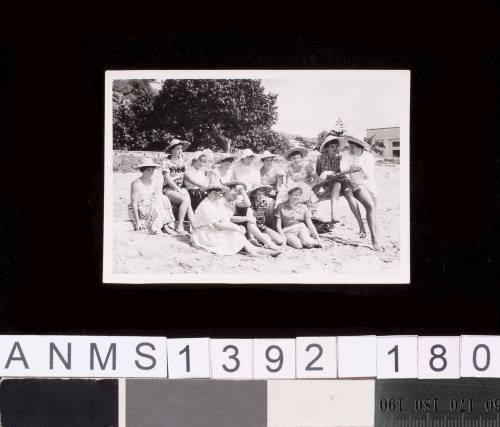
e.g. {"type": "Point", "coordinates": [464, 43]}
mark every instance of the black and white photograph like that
{"type": "Point", "coordinates": [257, 177]}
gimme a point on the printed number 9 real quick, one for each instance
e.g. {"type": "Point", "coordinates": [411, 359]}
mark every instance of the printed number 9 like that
{"type": "Point", "coordinates": [278, 360]}
{"type": "Point", "coordinates": [439, 356]}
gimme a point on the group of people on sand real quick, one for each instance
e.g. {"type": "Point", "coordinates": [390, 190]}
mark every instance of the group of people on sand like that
{"type": "Point", "coordinates": [249, 202]}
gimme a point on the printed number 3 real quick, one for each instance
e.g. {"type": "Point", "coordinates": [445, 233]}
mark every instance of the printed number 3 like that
{"type": "Point", "coordinates": [232, 357]}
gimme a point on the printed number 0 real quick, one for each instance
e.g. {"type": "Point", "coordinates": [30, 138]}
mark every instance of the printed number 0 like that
{"type": "Point", "coordinates": [232, 357]}
{"type": "Point", "coordinates": [440, 356]}
{"type": "Point", "coordinates": [474, 357]}
{"type": "Point", "coordinates": [278, 359]}
{"type": "Point", "coordinates": [310, 366]}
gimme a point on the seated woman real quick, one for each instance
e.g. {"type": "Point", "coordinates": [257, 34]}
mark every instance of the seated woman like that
{"type": "Point", "coordinates": [359, 164]}
{"type": "Point", "coordinates": [263, 212]}
{"type": "Point", "coordinates": [173, 169]}
{"type": "Point", "coordinates": [270, 174]}
{"type": "Point", "coordinates": [213, 229]}
{"type": "Point", "coordinates": [223, 173]}
{"type": "Point", "coordinates": [299, 172]}
{"type": "Point", "coordinates": [244, 169]}
{"type": "Point", "coordinates": [240, 213]}
{"type": "Point", "coordinates": [293, 221]}
{"type": "Point", "coordinates": [196, 179]}
{"type": "Point", "coordinates": [149, 208]}
{"type": "Point", "coordinates": [328, 164]}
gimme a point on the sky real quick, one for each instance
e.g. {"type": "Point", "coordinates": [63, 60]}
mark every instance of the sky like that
{"type": "Point", "coordinates": [308, 106]}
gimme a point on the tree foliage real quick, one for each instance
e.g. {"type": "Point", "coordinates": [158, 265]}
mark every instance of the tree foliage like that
{"type": "Point", "coordinates": [215, 114]}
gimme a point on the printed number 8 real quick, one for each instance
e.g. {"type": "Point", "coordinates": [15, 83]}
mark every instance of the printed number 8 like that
{"type": "Point", "coordinates": [440, 356]}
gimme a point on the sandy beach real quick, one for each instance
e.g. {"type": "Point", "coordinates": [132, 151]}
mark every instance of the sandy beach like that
{"type": "Point", "coordinates": [344, 253]}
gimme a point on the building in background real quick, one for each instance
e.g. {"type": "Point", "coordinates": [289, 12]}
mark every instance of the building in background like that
{"type": "Point", "coordinates": [390, 138]}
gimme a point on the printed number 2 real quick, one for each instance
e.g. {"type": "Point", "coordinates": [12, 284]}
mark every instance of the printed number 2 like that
{"type": "Point", "coordinates": [440, 356]}
{"type": "Point", "coordinates": [310, 366]}
{"type": "Point", "coordinates": [188, 362]}
{"type": "Point", "coordinates": [232, 357]}
{"type": "Point", "coordinates": [396, 357]}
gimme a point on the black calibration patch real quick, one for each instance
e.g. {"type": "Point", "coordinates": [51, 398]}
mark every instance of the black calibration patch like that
{"type": "Point", "coordinates": [467, 402]}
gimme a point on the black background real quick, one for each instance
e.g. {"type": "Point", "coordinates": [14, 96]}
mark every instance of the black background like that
{"type": "Point", "coordinates": [51, 183]}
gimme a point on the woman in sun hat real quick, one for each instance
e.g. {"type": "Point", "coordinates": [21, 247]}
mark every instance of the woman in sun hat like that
{"type": "Point", "coordinates": [149, 208]}
{"type": "Point", "coordinates": [223, 171]}
{"type": "Point", "coordinates": [244, 169]}
{"type": "Point", "coordinates": [359, 164]}
{"type": "Point", "coordinates": [293, 221]}
{"type": "Point", "coordinates": [213, 230]}
{"type": "Point", "coordinates": [173, 168]}
{"type": "Point", "coordinates": [333, 182]}
{"type": "Point", "coordinates": [300, 172]}
{"type": "Point", "coordinates": [196, 179]}
{"type": "Point", "coordinates": [263, 211]}
{"type": "Point", "coordinates": [269, 173]}
{"type": "Point", "coordinates": [238, 207]}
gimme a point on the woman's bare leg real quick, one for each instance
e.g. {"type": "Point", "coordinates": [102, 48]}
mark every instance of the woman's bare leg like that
{"type": "Point", "coordinates": [353, 204]}
{"type": "Point", "coordinates": [334, 200]}
{"type": "Point", "coordinates": [305, 239]}
{"type": "Point", "coordinates": [275, 236]}
{"type": "Point", "coordinates": [294, 242]}
{"type": "Point", "coordinates": [371, 216]}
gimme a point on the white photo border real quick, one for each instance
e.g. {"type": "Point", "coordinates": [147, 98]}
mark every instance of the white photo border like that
{"type": "Point", "coordinates": [402, 278]}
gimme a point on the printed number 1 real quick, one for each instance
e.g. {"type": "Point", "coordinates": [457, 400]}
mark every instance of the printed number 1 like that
{"type": "Point", "coordinates": [188, 362]}
{"type": "Point", "coordinates": [396, 357]}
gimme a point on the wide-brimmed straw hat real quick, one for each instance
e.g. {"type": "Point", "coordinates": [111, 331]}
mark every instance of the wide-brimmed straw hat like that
{"type": "Point", "coordinates": [296, 185]}
{"type": "Point", "coordinates": [174, 142]}
{"type": "Point", "coordinates": [264, 188]}
{"type": "Point", "coordinates": [147, 163]}
{"type": "Point", "coordinates": [197, 156]}
{"type": "Point", "coordinates": [266, 154]}
{"type": "Point", "coordinates": [247, 152]}
{"type": "Point", "coordinates": [226, 158]}
{"type": "Point", "coordinates": [330, 139]}
{"type": "Point", "coordinates": [362, 144]}
{"type": "Point", "coordinates": [296, 149]}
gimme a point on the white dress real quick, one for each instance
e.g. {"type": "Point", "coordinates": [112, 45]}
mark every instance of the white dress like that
{"type": "Point", "coordinates": [206, 236]}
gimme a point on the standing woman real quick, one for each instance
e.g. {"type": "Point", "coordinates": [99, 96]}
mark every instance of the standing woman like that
{"type": "Point", "coordinates": [149, 208]}
{"type": "Point", "coordinates": [293, 221]}
{"type": "Point", "coordinates": [174, 168]}
{"type": "Point", "coordinates": [359, 163]}
{"type": "Point", "coordinates": [196, 180]}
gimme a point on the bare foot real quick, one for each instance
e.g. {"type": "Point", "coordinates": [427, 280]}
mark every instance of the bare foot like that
{"type": "Point", "coordinates": [376, 246]}
{"type": "Point", "coordinates": [182, 232]}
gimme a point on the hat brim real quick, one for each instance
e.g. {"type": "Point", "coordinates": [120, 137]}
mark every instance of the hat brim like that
{"type": "Point", "coordinates": [264, 188]}
{"type": "Point", "coordinates": [302, 150]}
{"type": "Point", "coordinates": [225, 159]}
{"type": "Point", "coordinates": [185, 145]}
{"type": "Point", "coordinates": [215, 188]}
{"type": "Point", "coordinates": [147, 166]}
{"type": "Point", "coordinates": [328, 142]}
{"type": "Point", "coordinates": [359, 143]}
